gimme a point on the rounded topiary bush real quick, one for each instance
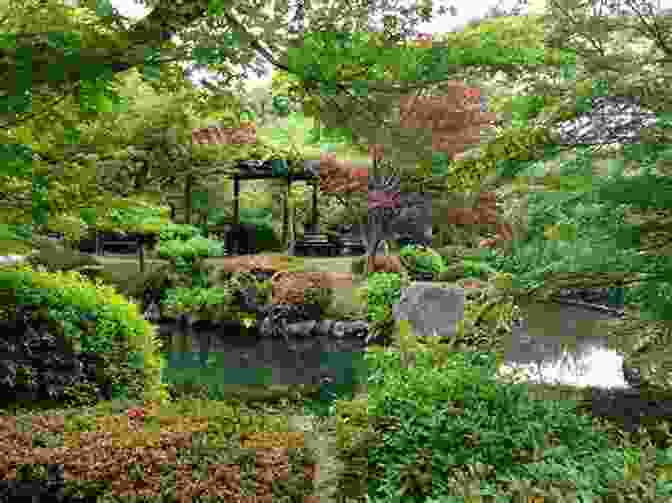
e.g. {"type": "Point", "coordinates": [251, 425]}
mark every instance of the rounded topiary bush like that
{"type": "Point", "coordinates": [116, 330]}
{"type": "Point", "coordinates": [416, 258]}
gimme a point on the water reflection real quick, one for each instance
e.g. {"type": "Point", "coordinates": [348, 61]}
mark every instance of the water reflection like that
{"type": "Point", "coordinates": [564, 344]}
{"type": "Point", "coordinates": [600, 368]}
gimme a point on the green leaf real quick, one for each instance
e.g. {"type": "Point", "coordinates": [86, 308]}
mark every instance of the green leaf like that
{"type": "Point", "coordinates": [216, 7]}
{"type": "Point", "coordinates": [104, 8]}
{"type": "Point", "coordinates": [15, 160]}
{"type": "Point", "coordinates": [151, 71]}
{"type": "Point", "coordinates": [72, 136]}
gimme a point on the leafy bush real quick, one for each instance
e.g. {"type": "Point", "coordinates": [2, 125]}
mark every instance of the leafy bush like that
{"type": "Point", "coordinates": [452, 254]}
{"type": "Point", "coordinates": [421, 259]}
{"type": "Point", "coordinates": [243, 283]}
{"type": "Point", "coordinates": [45, 366]}
{"type": "Point", "coordinates": [476, 268]}
{"type": "Point", "coordinates": [321, 297]}
{"type": "Point", "coordinates": [194, 247]}
{"type": "Point", "coordinates": [457, 415]}
{"type": "Point", "coordinates": [382, 290]}
{"type": "Point", "coordinates": [170, 232]}
{"type": "Point", "coordinates": [197, 300]}
{"type": "Point", "coordinates": [119, 332]}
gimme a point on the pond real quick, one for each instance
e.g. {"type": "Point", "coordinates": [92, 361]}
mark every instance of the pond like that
{"type": "Point", "coordinates": [557, 343]}
{"type": "Point", "coordinates": [563, 343]}
{"type": "Point", "coordinates": [567, 354]}
{"type": "Point", "coordinates": [242, 356]}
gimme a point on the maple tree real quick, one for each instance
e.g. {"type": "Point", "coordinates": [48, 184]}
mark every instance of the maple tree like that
{"type": "Point", "coordinates": [455, 121]}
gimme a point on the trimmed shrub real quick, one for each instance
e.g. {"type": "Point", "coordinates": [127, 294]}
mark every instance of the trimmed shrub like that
{"type": "Point", "coordinates": [119, 334]}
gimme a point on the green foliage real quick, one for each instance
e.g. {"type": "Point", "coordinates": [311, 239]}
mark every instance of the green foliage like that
{"type": "Point", "coordinates": [208, 302]}
{"type": "Point", "coordinates": [417, 258]}
{"type": "Point", "coordinates": [171, 232]}
{"type": "Point", "coordinates": [451, 254]}
{"type": "Point", "coordinates": [457, 414]}
{"type": "Point", "coordinates": [257, 216]}
{"type": "Point", "coordinates": [382, 290]}
{"type": "Point", "coordinates": [240, 280]}
{"type": "Point", "coordinates": [68, 299]}
{"type": "Point", "coordinates": [476, 269]}
{"type": "Point", "coordinates": [322, 297]}
{"type": "Point", "coordinates": [265, 239]}
{"type": "Point", "coordinates": [358, 265]}
{"type": "Point", "coordinates": [194, 247]}
{"type": "Point", "coordinates": [160, 279]}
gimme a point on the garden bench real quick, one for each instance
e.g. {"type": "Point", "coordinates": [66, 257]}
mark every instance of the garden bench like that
{"type": "Point", "coordinates": [349, 246]}
{"type": "Point", "coordinates": [315, 244]}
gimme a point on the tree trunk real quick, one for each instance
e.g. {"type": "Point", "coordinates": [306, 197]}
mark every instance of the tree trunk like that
{"type": "Point", "coordinates": [372, 248]}
{"type": "Point", "coordinates": [141, 253]}
{"type": "Point", "coordinates": [187, 199]}
{"type": "Point", "coordinates": [286, 215]}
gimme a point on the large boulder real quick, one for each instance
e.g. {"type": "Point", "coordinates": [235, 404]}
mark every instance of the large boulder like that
{"type": "Point", "coordinates": [431, 309]}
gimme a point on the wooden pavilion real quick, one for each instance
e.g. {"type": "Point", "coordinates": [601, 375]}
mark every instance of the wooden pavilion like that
{"type": "Point", "coordinates": [313, 240]}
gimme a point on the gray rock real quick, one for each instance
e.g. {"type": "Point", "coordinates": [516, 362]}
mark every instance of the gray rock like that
{"type": "Point", "coordinates": [611, 119]}
{"type": "Point", "coordinates": [324, 327]}
{"type": "Point", "coordinates": [301, 329]}
{"type": "Point", "coordinates": [430, 309]}
{"type": "Point", "coordinates": [343, 329]}
{"type": "Point", "coordinates": [152, 313]}
{"type": "Point", "coordinates": [279, 316]}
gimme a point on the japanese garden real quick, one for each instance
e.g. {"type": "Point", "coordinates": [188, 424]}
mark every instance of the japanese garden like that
{"type": "Point", "coordinates": [408, 267]}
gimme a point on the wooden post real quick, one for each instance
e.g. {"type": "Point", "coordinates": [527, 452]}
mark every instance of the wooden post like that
{"type": "Point", "coordinates": [315, 215]}
{"type": "Point", "coordinates": [141, 253]}
{"type": "Point", "coordinates": [187, 199]}
{"type": "Point", "coordinates": [236, 202]}
{"type": "Point", "coordinates": [285, 213]}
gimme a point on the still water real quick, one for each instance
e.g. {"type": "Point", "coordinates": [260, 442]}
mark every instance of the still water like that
{"type": "Point", "coordinates": [562, 343]}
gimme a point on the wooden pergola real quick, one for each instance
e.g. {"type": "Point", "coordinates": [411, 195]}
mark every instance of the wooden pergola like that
{"type": "Point", "coordinates": [256, 170]}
